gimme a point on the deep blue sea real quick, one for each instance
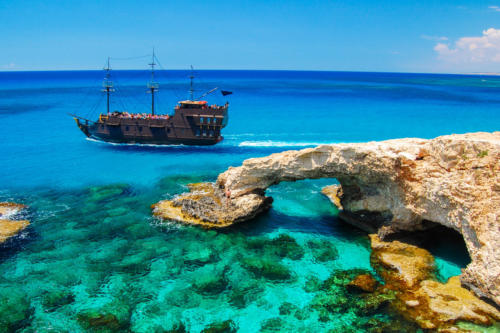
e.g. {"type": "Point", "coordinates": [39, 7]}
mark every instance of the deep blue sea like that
{"type": "Point", "coordinates": [93, 258]}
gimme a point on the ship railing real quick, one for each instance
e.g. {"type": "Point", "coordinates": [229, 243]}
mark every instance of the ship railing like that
{"type": "Point", "coordinates": [157, 122]}
{"type": "Point", "coordinates": [140, 116]}
{"type": "Point", "coordinates": [81, 118]}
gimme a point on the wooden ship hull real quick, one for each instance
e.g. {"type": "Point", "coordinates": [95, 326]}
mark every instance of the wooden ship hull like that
{"type": "Point", "coordinates": [193, 123]}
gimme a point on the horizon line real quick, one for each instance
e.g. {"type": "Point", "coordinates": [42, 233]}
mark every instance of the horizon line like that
{"type": "Point", "coordinates": [256, 70]}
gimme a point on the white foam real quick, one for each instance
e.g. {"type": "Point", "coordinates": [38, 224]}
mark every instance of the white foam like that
{"type": "Point", "coordinates": [170, 224]}
{"type": "Point", "coordinates": [262, 143]}
{"type": "Point", "coordinates": [270, 143]}
{"type": "Point", "coordinates": [133, 144]}
{"type": "Point", "coordinates": [9, 213]}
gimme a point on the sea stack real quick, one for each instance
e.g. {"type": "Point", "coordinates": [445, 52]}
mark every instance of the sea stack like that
{"type": "Point", "coordinates": [385, 187]}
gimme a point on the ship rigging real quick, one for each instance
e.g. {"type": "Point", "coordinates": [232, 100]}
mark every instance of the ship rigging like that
{"type": "Point", "coordinates": [194, 121]}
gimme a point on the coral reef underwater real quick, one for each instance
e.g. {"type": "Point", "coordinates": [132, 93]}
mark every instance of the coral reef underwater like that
{"type": "Point", "coordinates": [94, 259]}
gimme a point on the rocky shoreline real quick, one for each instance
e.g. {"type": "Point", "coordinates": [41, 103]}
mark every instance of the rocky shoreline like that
{"type": "Point", "coordinates": [385, 187]}
{"type": "Point", "coordinates": [9, 226]}
{"type": "Point", "coordinates": [411, 286]}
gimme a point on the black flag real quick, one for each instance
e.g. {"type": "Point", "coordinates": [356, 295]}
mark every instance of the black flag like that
{"type": "Point", "coordinates": [225, 93]}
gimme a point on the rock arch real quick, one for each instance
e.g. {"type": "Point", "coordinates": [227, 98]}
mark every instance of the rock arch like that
{"type": "Point", "coordinates": [389, 186]}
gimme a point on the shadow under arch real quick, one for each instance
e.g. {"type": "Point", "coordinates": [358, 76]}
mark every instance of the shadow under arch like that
{"type": "Point", "coordinates": [445, 244]}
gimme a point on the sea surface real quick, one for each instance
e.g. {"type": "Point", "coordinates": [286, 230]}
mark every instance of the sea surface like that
{"type": "Point", "coordinates": [94, 259]}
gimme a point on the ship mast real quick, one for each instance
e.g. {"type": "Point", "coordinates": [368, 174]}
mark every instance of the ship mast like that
{"type": "Point", "coordinates": [191, 90]}
{"type": "Point", "coordinates": [107, 85]}
{"type": "Point", "coordinates": [152, 85]}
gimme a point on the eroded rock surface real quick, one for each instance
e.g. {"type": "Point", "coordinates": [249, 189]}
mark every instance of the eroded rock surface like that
{"type": "Point", "coordinates": [8, 226]}
{"type": "Point", "coordinates": [208, 206]}
{"type": "Point", "coordinates": [364, 283]}
{"type": "Point", "coordinates": [409, 272]}
{"type": "Point", "coordinates": [334, 193]}
{"type": "Point", "coordinates": [404, 263]}
{"type": "Point", "coordinates": [391, 185]}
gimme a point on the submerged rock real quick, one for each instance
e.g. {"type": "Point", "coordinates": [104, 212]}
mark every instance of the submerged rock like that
{"type": "Point", "coordinates": [286, 246]}
{"type": "Point", "coordinates": [200, 257]}
{"type": "Point", "coordinates": [288, 308]}
{"type": "Point", "coordinates": [408, 274]}
{"type": "Point", "coordinates": [450, 302]}
{"type": "Point", "coordinates": [102, 322]}
{"type": "Point", "coordinates": [176, 328]}
{"type": "Point", "coordinates": [267, 268]}
{"type": "Point", "coordinates": [364, 283]}
{"type": "Point", "coordinates": [112, 317]}
{"type": "Point", "coordinates": [405, 264]}
{"type": "Point", "coordinates": [272, 325]}
{"type": "Point", "coordinates": [323, 250]}
{"type": "Point", "coordinates": [312, 284]}
{"type": "Point", "coordinates": [55, 299]}
{"type": "Point", "coordinates": [15, 309]}
{"type": "Point", "coordinates": [8, 225]}
{"type": "Point", "coordinates": [283, 246]}
{"type": "Point", "coordinates": [210, 281]}
{"type": "Point", "coordinates": [341, 278]}
{"type": "Point", "coordinates": [409, 299]}
{"type": "Point", "coordinates": [107, 192]}
{"type": "Point", "coordinates": [244, 292]}
{"type": "Point", "coordinates": [227, 326]}
{"type": "Point", "coordinates": [334, 298]}
{"type": "Point", "coordinates": [402, 184]}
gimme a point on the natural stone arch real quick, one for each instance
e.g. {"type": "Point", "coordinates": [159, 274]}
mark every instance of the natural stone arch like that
{"type": "Point", "coordinates": [366, 184]}
{"type": "Point", "coordinates": [451, 180]}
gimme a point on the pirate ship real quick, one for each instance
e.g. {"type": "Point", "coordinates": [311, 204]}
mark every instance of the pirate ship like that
{"type": "Point", "coordinates": [194, 121]}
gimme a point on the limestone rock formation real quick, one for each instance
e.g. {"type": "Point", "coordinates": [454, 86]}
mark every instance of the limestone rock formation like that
{"type": "Point", "coordinates": [8, 226]}
{"type": "Point", "coordinates": [408, 271]}
{"type": "Point", "coordinates": [206, 205]}
{"type": "Point", "coordinates": [364, 283]}
{"type": "Point", "coordinates": [334, 193]}
{"type": "Point", "coordinates": [391, 185]}
{"type": "Point", "coordinates": [407, 264]}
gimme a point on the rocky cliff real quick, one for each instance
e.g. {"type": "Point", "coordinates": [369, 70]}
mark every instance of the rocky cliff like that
{"type": "Point", "coordinates": [388, 186]}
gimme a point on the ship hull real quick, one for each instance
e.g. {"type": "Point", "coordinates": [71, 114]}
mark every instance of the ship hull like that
{"type": "Point", "coordinates": [165, 141]}
{"type": "Point", "coordinates": [193, 126]}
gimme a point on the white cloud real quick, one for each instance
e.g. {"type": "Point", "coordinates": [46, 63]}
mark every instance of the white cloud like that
{"type": "Point", "coordinates": [473, 50]}
{"type": "Point", "coordinates": [434, 38]}
{"type": "Point", "coordinates": [495, 8]}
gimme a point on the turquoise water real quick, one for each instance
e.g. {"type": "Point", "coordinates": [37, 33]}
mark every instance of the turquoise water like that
{"type": "Point", "coordinates": [94, 258]}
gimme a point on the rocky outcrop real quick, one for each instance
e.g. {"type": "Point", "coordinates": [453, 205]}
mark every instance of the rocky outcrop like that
{"type": "Point", "coordinates": [364, 283]}
{"type": "Point", "coordinates": [408, 272]}
{"type": "Point", "coordinates": [389, 186]}
{"type": "Point", "coordinates": [206, 205]}
{"type": "Point", "coordinates": [405, 264]}
{"type": "Point", "coordinates": [334, 193]}
{"type": "Point", "coordinates": [8, 226]}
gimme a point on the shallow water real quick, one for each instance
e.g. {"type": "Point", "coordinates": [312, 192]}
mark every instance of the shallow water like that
{"type": "Point", "coordinates": [97, 252]}
{"type": "Point", "coordinates": [94, 258]}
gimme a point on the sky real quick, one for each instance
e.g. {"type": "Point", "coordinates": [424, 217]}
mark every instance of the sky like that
{"type": "Point", "coordinates": [445, 36]}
